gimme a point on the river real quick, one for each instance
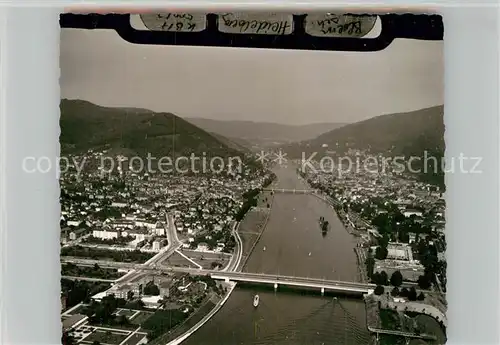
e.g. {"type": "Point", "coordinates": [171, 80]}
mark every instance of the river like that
{"type": "Point", "coordinates": [294, 246]}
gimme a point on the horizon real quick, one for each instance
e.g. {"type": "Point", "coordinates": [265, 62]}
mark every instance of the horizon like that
{"type": "Point", "coordinates": [280, 86]}
{"type": "Point", "coordinates": [249, 121]}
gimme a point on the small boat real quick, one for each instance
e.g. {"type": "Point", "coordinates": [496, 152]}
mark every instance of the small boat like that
{"type": "Point", "coordinates": [323, 224]}
{"type": "Point", "coordinates": [256, 301]}
{"type": "Point", "coordinates": [309, 253]}
{"type": "Point", "coordinates": [264, 249]}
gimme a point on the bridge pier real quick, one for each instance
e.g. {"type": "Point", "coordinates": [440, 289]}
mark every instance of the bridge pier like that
{"type": "Point", "coordinates": [322, 291]}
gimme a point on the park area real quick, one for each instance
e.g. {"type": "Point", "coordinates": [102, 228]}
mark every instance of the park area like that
{"type": "Point", "coordinates": [133, 331]}
{"type": "Point", "coordinates": [197, 259]}
{"type": "Point", "coordinates": [112, 322]}
{"type": "Point", "coordinates": [254, 224]}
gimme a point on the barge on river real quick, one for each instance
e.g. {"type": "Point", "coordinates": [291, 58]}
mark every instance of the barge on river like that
{"type": "Point", "coordinates": [323, 224]}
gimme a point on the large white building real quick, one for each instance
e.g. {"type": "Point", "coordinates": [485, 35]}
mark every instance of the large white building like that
{"type": "Point", "coordinates": [106, 234]}
{"type": "Point", "coordinates": [399, 251]}
{"type": "Point", "coordinates": [156, 246]}
{"type": "Point", "coordinates": [160, 229]}
{"type": "Point", "coordinates": [139, 233]}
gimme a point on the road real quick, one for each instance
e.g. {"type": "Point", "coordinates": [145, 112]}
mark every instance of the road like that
{"type": "Point", "coordinates": [235, 261]}
{"type": "Point", "coordinates": [231, 275]}
{"type": "Point", "coordinates": [89, 279]}
{"type": "Point", "coordinates": [140, 269]}
{"type": "Point", "coordinates": [294, 281]}
{"type": "Point", "coordinates": [173, 239]}
{"type": "Point", "coordinates": [166, 252]}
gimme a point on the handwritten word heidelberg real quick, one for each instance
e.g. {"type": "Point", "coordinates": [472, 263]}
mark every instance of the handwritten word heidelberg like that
{"type": "Point", "coordinates": [278, 27]}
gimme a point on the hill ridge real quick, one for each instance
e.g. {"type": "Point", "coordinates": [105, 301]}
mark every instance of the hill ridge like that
{"type": "Point", "coordinates": [85, 125]}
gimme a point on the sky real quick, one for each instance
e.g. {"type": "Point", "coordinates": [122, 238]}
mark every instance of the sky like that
{"type": "Point", "coordinates": [289, 87]}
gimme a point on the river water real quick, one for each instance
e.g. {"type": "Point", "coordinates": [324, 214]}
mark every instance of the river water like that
{"type": "Point", "coordinates": [294, 246]}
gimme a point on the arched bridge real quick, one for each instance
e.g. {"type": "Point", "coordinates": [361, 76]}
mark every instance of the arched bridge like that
{"type": "Point", "coordinates": [290, 191]}
{"type": "Point", "coordinates": [276, 280]}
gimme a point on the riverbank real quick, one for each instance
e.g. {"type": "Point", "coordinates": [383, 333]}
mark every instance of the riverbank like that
{"type": "Point", "coordinates": [349, 227]}
{"type": "Point", "coordinates": [212, 305]}
{"type": "Point", "coordinates": [290, 246]}
{"type": "Point", "coordinates": [395, 320]}
{"type": "Point", "coordinates": [196, 320]}
{"type": "Point", "coordinates": [253, 225]}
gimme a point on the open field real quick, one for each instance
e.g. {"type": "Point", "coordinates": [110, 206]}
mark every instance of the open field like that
{"type": "Point", "coordinates": [252, 226]}
{"type": "Point", "coordinates": [134, 339]}
{"type": "Point", "coordinates": [248, 242]}
{"type": "Point", "coordinates": [125, 312]}
{"type": "Point", "coordinates": [106, 337]}
{"type": "Point", "coordinates": [141, 317]}
{"type": "Point", "coordinates": [186, 325]}
{"type": "Point", "coordinates": [431, 326]}
{"type": "Point", "coordinates": [205, 260]}
{"type": "Point", "coordinates": [117, 328]}
{"type": "Point", "coordinates": [177, 260]}
{"type": "Point", "coordinates": [253, 221]}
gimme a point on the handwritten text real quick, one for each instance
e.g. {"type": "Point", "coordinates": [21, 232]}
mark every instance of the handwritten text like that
{"type": "Point", "coordinates": [178, 22]}
{"type": "Point", "coordinates": [279, 26]}
{"type": "Point", "coordinates": [354, 26]}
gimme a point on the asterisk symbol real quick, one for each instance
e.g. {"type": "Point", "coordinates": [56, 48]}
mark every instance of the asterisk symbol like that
{"type": "Point", "coordinates": [280, 158]}
{"type": "Point", "coordinates": [262, 157]}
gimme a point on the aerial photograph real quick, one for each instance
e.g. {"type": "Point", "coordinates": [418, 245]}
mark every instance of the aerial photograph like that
{"type": "Point", "coordinates": [227, 196]}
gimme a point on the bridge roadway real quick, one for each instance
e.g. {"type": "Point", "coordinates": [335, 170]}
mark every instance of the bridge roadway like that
{"type": "Point", "coordinates": [321, 284]}
{"type": "Point", "coordinates": [89, 279]}
{"type": "Point", "coordinates": [292, 191]}
{"type": "Point", "coordinates": [276, 280]}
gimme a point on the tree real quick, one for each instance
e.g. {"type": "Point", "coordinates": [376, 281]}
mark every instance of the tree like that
{"type": "Point", "coordinates": [396, 279]}
{"type": "Point", "coordinates": [404, 292]}
{"type": "Point", "coordinates": [379, 290]}
{"type": "Point", "coordinates": [370, 265]}
{"type": "Point", "coordinates": [395, 292]}
{"type": "Point", "coordinates": [383, 278]}
{"type": "Point", "coordinates": [151, 289]}
{"type": "Point", "coordinates": [68, 339]}
{"type": "Point", "coordinates": [424, 281]}
{"type": "Point", "coordinates": [95, 342]}
{"type": "Point", "coordinates": [421, 296]}
{"type": "Point", "coordinates": [122, 320]}
{"type": "Point", "coordinates": [379, 278]}
{"type": "Point", "coordinates": [381, 253]}
{"type": "Point", "coordinates": [412, 294]}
